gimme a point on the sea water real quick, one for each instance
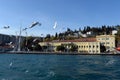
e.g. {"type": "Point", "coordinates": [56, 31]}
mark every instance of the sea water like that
{"type": "Point", "coordinates": [59, 67]}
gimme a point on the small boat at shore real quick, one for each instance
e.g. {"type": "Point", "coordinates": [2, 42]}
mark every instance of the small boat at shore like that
{"type": "Point", "coordinates": [118, 48]}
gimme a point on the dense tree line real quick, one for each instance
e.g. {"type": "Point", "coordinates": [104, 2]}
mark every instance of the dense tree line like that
{"type": "Point", "coordinates": [99, 30]}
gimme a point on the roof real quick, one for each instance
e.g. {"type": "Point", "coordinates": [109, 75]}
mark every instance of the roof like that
{"type": "Point", "coordinates": [81, 40]}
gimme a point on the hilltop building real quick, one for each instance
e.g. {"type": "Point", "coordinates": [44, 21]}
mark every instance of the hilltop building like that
{"type": "Point", "coordinates": [114, 32]}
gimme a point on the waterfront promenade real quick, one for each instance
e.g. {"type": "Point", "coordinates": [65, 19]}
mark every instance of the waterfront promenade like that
{"type": "Point", "coordinates": [58, 53]}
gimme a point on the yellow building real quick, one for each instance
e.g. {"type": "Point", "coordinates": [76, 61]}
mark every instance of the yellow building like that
{"type": "Point", "coordinates": [84, 45]}
{"type": "Point", "coordinates": [88, 47]}
{"type": "Point", "coordinates": [107, 40]}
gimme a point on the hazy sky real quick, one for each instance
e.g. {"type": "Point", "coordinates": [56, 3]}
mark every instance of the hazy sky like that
{"type": "Point", "coordinates": [73, 14]}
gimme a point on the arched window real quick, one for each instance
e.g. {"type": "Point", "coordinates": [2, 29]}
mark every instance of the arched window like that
{"type": "Point", "coordinates": [89, 46]}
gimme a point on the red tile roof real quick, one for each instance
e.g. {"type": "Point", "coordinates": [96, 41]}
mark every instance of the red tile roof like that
{"type": "Point", "coordinates": [79, 40]}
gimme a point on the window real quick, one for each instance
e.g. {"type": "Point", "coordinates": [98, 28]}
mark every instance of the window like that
{"type": "Point", "coordinates": [107, 38]}
{"type": "Point", "coordinates": [103, 43]}
{"type": "Point", "coordinates": [97, 46]}
{"type": "Point", "coordinates": [98, 38]}
{"type": "Point", "coordinates": [89, 46]}
{"type": "Point", "coordinates": [107, 47]}
{"type": "Point", "coordinates": [103, 38]}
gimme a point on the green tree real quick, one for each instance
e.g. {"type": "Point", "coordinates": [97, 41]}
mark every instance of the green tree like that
{"type": "Point", "coordinates": [31, 44]}
{"type": "Point", "coordinates": [56, 35]}
{"type": "Point", "coordinates": [73, 48]}
{"type": "Point", "coordinates": [102, 48]}
{"type": "Point", "coordinates": [60, 48]}
{"type": "Point", "coordinates": [27, 43]}
{"type": "Point", "coordinates": [37, 47]}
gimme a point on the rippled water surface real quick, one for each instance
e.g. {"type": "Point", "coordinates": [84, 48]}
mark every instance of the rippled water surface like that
{"type": "Point", "coordinates": [59, 67]}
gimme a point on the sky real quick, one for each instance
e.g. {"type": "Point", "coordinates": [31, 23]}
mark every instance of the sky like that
{"type": "Point", "coordinates": [73, 14]}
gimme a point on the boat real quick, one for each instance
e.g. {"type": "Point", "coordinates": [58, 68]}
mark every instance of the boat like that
{"type": "Point", "coordinates": [118, 48]}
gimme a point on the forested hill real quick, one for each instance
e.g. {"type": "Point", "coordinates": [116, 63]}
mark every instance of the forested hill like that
{"type": "Point", "coordinates": [77, 33]}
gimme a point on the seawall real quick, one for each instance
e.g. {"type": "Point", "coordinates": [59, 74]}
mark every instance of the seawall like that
{"type": "Point", "coordinates": [56, 53]}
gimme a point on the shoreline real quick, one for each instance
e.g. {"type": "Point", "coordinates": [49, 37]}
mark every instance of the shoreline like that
{"type": "Point", "coordinates": [56, 53]}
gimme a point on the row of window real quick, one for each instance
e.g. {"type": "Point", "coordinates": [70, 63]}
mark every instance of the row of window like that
{"type": "Point", "coordinates": [90, 46]}
{"type": "Point", "coordinates": [91, 51]}
{"type": "Point", "coordinates": [104, 38]}
{"type": "Point", "coordinates": [94, 51]}
{"type": "Point", "coordinates": [106, 43]}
